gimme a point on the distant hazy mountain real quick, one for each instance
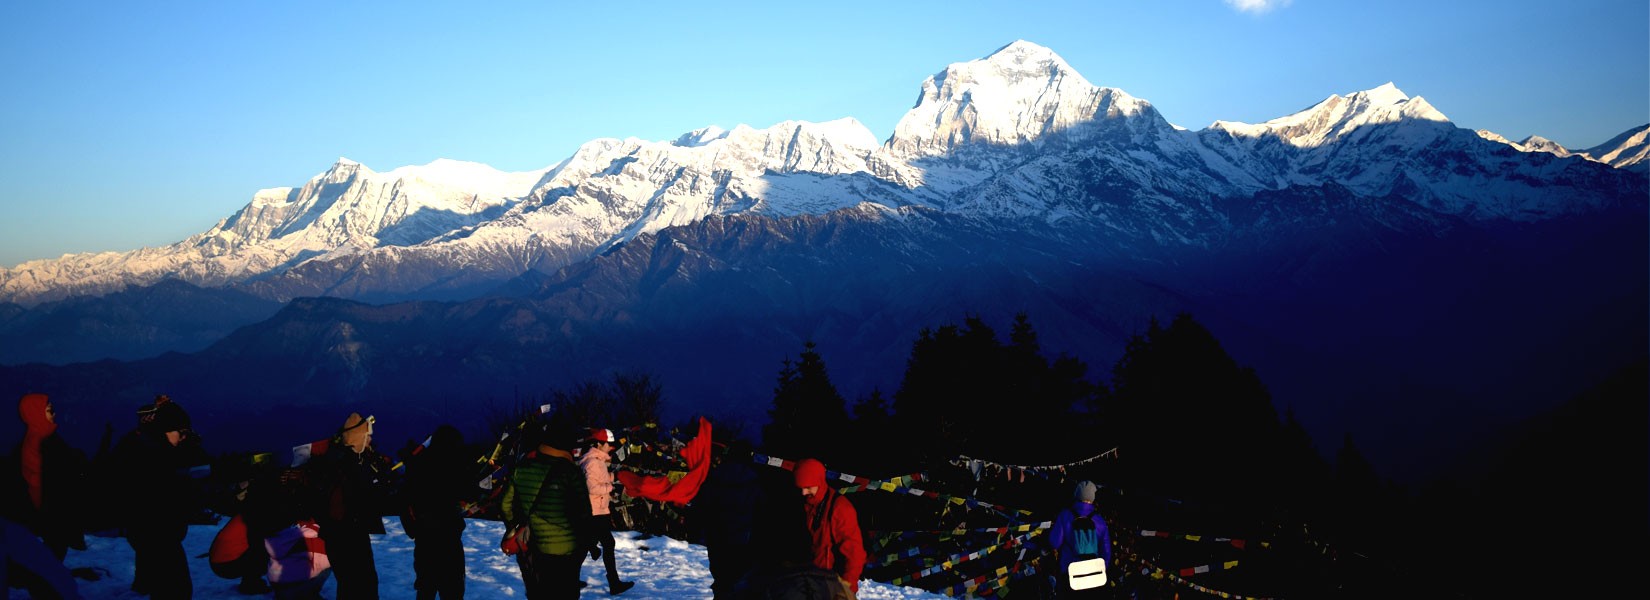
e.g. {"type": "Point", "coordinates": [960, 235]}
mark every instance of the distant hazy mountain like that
{"type": "Point", "coordinates": [137, 322]}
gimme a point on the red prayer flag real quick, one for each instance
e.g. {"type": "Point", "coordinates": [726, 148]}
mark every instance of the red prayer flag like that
{"type": "Point", "coordinates": [697, 455]}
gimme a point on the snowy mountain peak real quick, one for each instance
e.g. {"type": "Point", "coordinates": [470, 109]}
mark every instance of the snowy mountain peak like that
{"type": "Point", "coordinates": [1017, 133]}
{"type": "Point", "coordinates": [700, 137]}
{"type": "Point", "coordinates": [1493, 136]}
{"type": "Point", "coordinates": [1536, 143]}
{"type": "Point", "coordinates": [1018, 94]}
{"type": "Point", "coordinates": [341, 171]}
{"type": "Point", "coordinates": [1338, 116]}
{"type": "Point", "coordinates": [1028, 58]}
{"type": "Point", "coordinates": [1385, 94]}
{"type": "Point", "coordinates": [1630, 150]}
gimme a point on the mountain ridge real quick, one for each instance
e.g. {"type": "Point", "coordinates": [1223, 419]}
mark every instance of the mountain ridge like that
{"type": "Point", "coordinates": [982, 138]}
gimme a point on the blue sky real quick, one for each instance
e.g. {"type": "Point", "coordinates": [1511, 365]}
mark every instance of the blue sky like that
{"type": "Point", "coordinates": [132, 124]}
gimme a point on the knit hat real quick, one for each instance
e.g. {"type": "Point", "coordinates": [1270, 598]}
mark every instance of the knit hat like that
{"type": "Point", "coordinates": [1086, 490]}
{"type": "Point", "coordinates": [355, 431]}
{"type": "Point", "coordinates": [556, 432]}
{"type": "Point", "coordinates": [810, 473]}
{"type": "Point", "coordinates": [162, 416]}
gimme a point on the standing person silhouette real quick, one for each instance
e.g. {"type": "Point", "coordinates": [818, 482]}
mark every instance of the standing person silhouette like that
{"type": "Point", "coordinates": [347, 479]}
{"type": "Point", "coordinates": [725, 515]}
{"type": "Point", "coordinates": [438, 479]}
{"type": "Point", "coordinates": [153, 464]}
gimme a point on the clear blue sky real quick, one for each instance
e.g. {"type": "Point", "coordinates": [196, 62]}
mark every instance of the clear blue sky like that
{"type": "Point", "coordinates": [132, 124]}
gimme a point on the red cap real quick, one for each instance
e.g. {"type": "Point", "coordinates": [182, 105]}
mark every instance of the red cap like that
{"type": "Point", "coordinates": [603, 435]}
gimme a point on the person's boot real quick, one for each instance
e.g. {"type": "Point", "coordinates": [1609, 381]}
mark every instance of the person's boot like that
{"type": "Point", "coordinates": [252, 586]}
{"type": "Point", "coordinates": [619, 587]}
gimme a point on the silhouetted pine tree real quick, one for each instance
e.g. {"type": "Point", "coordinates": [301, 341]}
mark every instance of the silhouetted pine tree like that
{"type": "Point", "coordinates": [929, 404]}
{"type": "Point", "coordinates": [809, 418]}
{"type": "Point", "coordinates": [1191, 422]}
{"type": "Point", "coordinates": [1030, 414]}
{"type": "Point", "coordinates": [872, 431]}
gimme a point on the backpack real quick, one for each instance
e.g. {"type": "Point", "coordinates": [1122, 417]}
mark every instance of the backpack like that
{"type": "Point", "coordinates": [804, 582]}
{"type": "Point", "coordinates": [296, 553]}
{"type": "Point", "coordinates": [228, 547]}
{"type": "Point", "coordinates": [1088, 567]}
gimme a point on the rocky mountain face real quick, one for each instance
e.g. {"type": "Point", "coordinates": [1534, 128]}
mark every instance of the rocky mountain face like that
{"type": "Point", "coordinates": [1017, 134]}
{"type": "Point", "coordinates": [1386, 273]}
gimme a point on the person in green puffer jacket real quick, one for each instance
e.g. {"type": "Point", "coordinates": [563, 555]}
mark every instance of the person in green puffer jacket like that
{"type": "Point", "coordinates": [547, 493]}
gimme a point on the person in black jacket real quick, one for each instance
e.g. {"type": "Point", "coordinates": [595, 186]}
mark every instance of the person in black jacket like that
{"type": "Point", "coordinates": [154, 463]}
{"type": "Point", "coordinates": [349, 480]}
{"type": "Point", "coordinates": [723, 515]}
{"type": "Point", "coordinates": [438, 479]}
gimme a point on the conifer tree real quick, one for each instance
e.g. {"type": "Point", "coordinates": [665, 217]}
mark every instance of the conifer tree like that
{"type": "Point", "coordinates": [1191, 419]}
{"type": "Point", "coordinates": [809, 417]}
{"type": "Point", "coordinates": [872, 426]}
{"type": "Point", "coordinates": [638, 399]}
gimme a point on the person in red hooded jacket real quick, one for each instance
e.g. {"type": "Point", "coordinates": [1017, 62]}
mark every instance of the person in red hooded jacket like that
{"type": "Point", "coordinates": [52, 473]}
{"type": "Point", "coordinates": [834, 525]}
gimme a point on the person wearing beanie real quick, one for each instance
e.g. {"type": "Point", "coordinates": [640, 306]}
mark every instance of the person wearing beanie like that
{"type": "Point", "coordinates": [1079, 533]}
{"type": "Point", "coordinates": [152, 464]}
{"type": "Point", "coordinates": [598, 477]}
{"type": "Point", "coordinates": [547, 495]}
{"type": "Point", "coordinates": [833, 524]}
{"type": "Point", "coordinates": [53, 474]}
{"type": "Point", "coordinates": [349, 483]}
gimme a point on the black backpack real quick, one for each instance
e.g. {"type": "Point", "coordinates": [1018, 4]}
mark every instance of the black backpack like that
{"type": "Point", "coordinates": [1085, 538]}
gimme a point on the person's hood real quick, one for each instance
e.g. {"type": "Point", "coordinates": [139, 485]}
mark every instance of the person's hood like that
{"type": "Point", "coordinates": [810, 473]}
{"type": "Point", "coordinates": [597, 453]}
{"type": "Point", "coordinates": [32, 409]}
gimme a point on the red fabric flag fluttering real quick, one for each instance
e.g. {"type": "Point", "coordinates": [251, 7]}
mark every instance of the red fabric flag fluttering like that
{"type": "Point", "coordinates": [697, 455]}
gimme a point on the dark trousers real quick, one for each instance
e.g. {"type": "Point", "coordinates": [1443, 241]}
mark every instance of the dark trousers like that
{"type": "Point", "coordinates": [729, 562]}
{"type": "Point", "coordinates": [438, 560]}
{"type": "Point", "coordinates": [1066, 593]}
{"type": "Point", "coordinates": [161, 569]}
{"type": "Point", "coordinates": [602, 527]}
{"type": "Point", "coordinates": [350, 553]}
{"type": "Point", "coordinates": [550, 576]}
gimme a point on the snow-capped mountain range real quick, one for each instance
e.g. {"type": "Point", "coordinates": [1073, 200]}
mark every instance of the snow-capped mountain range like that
{"type": "Point", "coordinates": [1015, 136]}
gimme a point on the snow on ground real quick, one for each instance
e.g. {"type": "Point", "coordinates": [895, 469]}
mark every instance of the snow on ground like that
{"type": "Point", "coordinates": [663, 568]}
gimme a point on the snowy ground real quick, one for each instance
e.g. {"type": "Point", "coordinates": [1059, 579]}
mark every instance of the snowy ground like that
{"type": "Point", "coordinates": [663, 568]}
